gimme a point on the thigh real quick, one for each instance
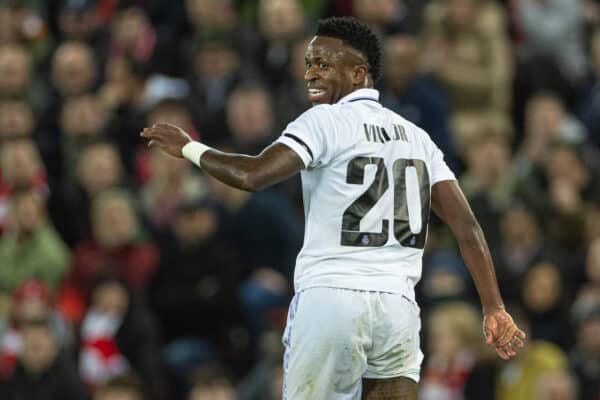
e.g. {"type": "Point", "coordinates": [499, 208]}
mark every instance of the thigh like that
{"type": "Point", "coordinates": [396, 348]}
{"type": "Point", "coordinates": [324, 340]}
{"type": "Point", "coordinates": [399, 388]}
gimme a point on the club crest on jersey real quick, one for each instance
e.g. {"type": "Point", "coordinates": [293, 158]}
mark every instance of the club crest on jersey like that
{"type": "Point", "coordinates": [365, 240]}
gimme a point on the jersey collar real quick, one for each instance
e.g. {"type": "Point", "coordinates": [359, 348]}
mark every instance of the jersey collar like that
{"type": "Point", "coordinates": [360, 94]}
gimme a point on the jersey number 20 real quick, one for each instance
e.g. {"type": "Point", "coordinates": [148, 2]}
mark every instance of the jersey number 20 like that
{"type": "Point", "coordinates": [411, 203]}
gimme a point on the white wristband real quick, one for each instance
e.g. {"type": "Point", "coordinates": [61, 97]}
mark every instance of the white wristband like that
{"type": "Point", "coordinates": [193, 151]}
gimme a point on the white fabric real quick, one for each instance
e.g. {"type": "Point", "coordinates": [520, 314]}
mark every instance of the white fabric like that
{"type": "Point", "coordinates": [327, 138]}
{"type": "Point", "coordinates": [335, 337]}
{"type": "Point", "coordinates": [193, 151]}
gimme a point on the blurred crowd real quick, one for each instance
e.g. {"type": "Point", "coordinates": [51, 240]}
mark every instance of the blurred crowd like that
{"type": "Point", "coordinates": [126, 274]}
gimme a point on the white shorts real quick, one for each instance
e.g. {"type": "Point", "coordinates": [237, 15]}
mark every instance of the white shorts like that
{"type": "Point", "coordinates": [336, 337]}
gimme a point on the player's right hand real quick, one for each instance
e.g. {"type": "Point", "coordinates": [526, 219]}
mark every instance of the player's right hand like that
{"type": "Point", "coordinates": [501, 332]}
{"type": "Point", "coordinates": [168, 138]}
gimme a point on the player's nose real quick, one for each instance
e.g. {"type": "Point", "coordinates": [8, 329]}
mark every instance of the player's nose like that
{"type": "Point", "coordinates": [310, 74]}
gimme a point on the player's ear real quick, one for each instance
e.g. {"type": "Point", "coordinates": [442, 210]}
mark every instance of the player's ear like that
{"type": "Point", "coordinates": [359, 74]}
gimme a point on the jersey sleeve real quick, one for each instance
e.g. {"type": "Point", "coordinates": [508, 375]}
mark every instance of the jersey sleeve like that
{"type": "Point", "coordinates": [439, 169]}
{"type": "Point", "coordinates": [308, 136]}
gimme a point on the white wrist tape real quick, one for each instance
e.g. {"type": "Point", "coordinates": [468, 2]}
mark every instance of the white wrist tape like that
{"type": "Point", "coordinates": [193, 151]}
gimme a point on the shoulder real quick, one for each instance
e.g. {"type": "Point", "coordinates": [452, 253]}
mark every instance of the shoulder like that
{"type": "Point", "coordinates": [318, 112]}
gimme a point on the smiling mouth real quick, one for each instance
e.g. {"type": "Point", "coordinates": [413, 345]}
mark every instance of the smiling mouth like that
{"type": "Point", "coordinates": [316, 95]}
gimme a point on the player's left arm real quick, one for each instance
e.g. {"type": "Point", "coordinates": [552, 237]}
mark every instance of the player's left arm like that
{"type": "Point", "coordinates": [450, 204]}
{"type": "Point", "coordinates": [274, 164]}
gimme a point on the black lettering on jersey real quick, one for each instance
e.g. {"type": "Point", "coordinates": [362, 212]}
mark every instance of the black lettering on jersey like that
{"type": "Point", "coordinates": [400, 133]}
{"type": "Point", "coordinates": [378, 134]}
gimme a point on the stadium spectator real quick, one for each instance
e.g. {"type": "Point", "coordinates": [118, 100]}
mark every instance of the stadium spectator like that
{"type": "Point", "coordinates": [122, 387]}
{"type": "Point", "coordinates": [16, 120]}
{"type": "Point", "coordinates": [15, 72]}
{"type": "Point", "coordinates": [211, 15]}
{"type": "Point", "coordinates": [415, 96]}
{"type": "Point", "coordinates": [445, 278]}
{"type": "Point", "coordinates": [289, 99]}
{"type": "Point", "coordinates": [244, 218]}
{"type": "Point", "coordinates": [216, 69]}
{"type": "Point", "coordinates": [522, 244]}
{"type": "Point", "coordinates": [98, 169]}
{"type": "Point", "coordinates": [488, 168]}
{"type": "Point", "coordinates": [118, 335]}
{"type": "Point", "coordinates": [549, 49]}
{"type": "Point", "coordinates": [193, 292]}
{"type": "Point", "coordinates": [25, 23]}
{"type": "Point", "coordinates": [82, 121]}
{"type": "Point", "coordinates": [31, 300]}
{"type": "Point", "coordinates": [32, 248]}
{"type": "Point", "coordinates": [118, 246]}
{"type": "Point", "coordinates": [20, 168]}
{"type": "Point", "coordinates": [559, 385]}
{"type": "Point", "coordinates": [250, 118]}
{"type": "Point", "coordinates": [390, 16]}
{"type": "Point", "coordinates": [42, 372]}
{"type": "Point", "coordinates": [589, 98]}
{"type": "Point", "coordinates": [280, 23]}
{"type": "Point", "coordinates": [454, 345]}
{"type": "Point", "coordinates": [210, 383]}
{"type": "Point", "coordinates": [74, 69]}
{"type": "Point", "coordinates": [584, 358]}
{"type": "Point", "coordinates": [78, 20]}
{"type": "Point", "coordinates": [467, 49]}
{"type": "Point", "coordinates": [517, 379]}
{"type": "Point", "coordinates": [170, 184]}
{"type": "Point", "coordinates": [265, 380]}
{"type": "Point", "coordinates": [544, 297]}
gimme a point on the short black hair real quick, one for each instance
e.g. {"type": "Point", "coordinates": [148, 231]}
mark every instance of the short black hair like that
{"type": "Point", "coordinates": [357, 35]}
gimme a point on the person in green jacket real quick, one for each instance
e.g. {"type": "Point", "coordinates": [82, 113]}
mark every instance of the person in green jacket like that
{"type": "Point", "coordinates": [31, 248]}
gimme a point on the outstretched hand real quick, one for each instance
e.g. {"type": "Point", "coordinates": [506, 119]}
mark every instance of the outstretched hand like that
{"type": "Point", "coordinates": [168, 138]}
{"type": "Point", "coordinates": [501, 332]}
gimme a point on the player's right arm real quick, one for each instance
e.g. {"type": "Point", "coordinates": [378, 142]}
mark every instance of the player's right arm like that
{"type": "Point", "coordinates": [274, 164]}
{"type": "Point", "coordinates": [450, 204]}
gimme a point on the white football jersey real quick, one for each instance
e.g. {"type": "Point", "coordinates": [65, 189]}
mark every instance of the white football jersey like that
{"type": "Point", "coordinates": [367, 193]}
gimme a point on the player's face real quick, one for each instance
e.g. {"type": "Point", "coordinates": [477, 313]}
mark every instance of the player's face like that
{"type": "Point", "coordinates": [332, 70]}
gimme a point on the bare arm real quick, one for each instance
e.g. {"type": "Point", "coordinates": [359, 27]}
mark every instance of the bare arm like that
{"type": "Point", "coordinates": [450, 204]}
{"type": "Point", "coordinates": [252, 173]}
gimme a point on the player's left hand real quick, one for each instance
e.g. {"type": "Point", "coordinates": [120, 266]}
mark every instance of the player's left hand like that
{"type": "Point", "coordinates": [501, 332]}
{"type": "Point", "coordinates": [168, 138]}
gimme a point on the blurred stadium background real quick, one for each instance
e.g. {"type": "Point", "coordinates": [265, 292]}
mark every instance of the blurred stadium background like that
{"type": "Point", "coordinates": [127, 273]}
